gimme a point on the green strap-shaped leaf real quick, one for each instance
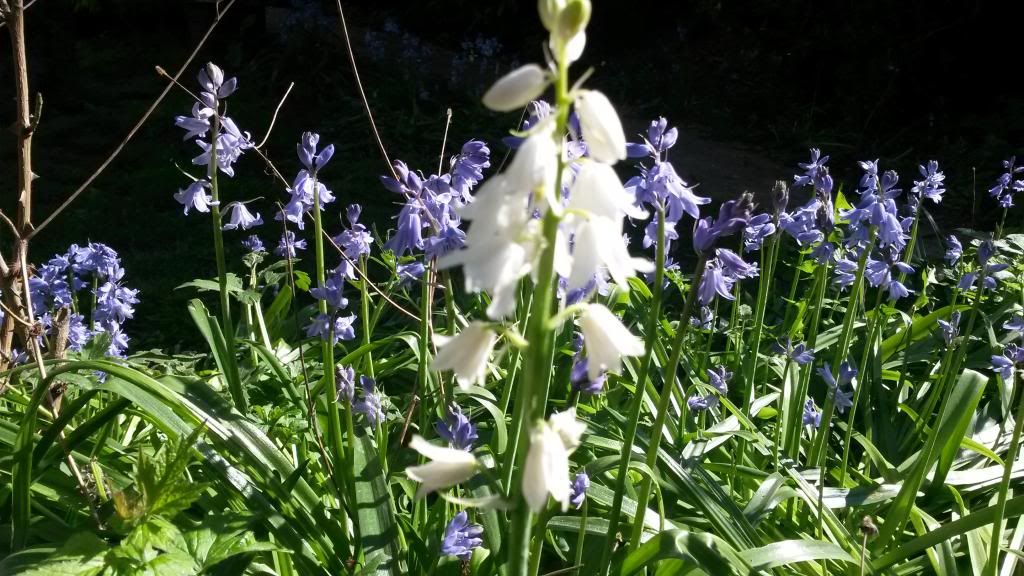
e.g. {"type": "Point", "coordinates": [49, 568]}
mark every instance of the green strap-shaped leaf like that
{"type": "Point", "coordinates": [793, 551]}
{"type": "Point", "coordinates": [706, 551]}
{"type": "Point", "coordinates": [375, 512]}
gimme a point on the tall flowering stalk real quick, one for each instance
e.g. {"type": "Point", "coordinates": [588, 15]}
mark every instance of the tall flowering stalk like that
{"type": "Point", "coordinates": [224, 143]}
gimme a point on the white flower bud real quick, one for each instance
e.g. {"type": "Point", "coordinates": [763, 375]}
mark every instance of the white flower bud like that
{"type": "Point", "coordinates": [517, 88]}
{"type": "Point", "coordinates": [601, 127]}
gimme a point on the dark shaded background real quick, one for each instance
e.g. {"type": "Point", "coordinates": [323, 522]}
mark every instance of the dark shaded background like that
{"type": "Point", "coordinates": [751, 84]}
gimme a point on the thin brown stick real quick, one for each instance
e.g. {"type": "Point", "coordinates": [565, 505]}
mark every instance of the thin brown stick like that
{"type": "Point", "coordinates": [138, 125]}
{"type": "Point", "coordinates": [273, 119]}
{"type": "Point", "coordinates": [362, 93]}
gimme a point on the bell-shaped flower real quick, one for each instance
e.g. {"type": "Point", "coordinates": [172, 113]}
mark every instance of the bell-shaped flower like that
{"type": "Point", "coordinates": [240, 217]}
{"type": "Point", "coordinates": [601, 127]}
{"type": "Point", "coordinates": [517, 88]}
{"type": "Point", "coordinates": [607, 340]}
{"type": "Point", "coordinates": [447, 467]}
{"type": "Point", "coordinates": [195, 196]}
{"type": "Point", "coordinates": [466, 354]}
{"type": "Point", "coordinates": [547, 463]}
{"type": "Point", "coordinates": [598, 202]}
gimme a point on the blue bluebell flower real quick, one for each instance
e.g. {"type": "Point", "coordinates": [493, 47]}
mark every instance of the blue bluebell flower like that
{"type": "Point", "coordinates": [951, 328]}
{"type": "Point", "coordinates": [841, 399]}
{"type": "Point", "coordinates": [409, 234]}
{"type": "Point", "coordinates": [700, 403]}
{"type": "Point", "coordinates": [931, 186]}
{"type": "Point", "coordinates": [814, 173]}
{"type": "Point", "coordinates": [287, 246]}
{"type": "Point", "coordinates": [802, 223]}
{"type": "Point", "coordinates": [461, 537]}
{"type": "Point", "coordinates": [114, 304]}
{"type": "Point", "coordinates": [704, 320]}
{"type": "Point", "coordinates": [1015, 324]}
{"type": "Point", "coordinates": [467, 168]}
{"type": "Point", "coordinates": [344, 383]}
{"type": "Point", "coordinates": [578, 489]}
{"type": "Point", "coordinates": [847, 372]}
{"type": "Point", "coordinates": [306, 149]}
{"type": "Point", "coordinates": [1004, 364]}
{"type": "Point", "coordinates": [719, 378]}
{"type": "Point", "coordinates": [954, 250]}
{"type": "Point", "coordinates": [1007, 185]}
{"type": "Point", "coordinates": [410, 272]}
{"type": "Point", "coordinates": [756, 231]}
{"type": "Point", "coordinates": [659, 139]}
{"type": "Point", "coordinates": [253, 244]}
{"type": "Point", "coordinates": [195, 196]}
{"type": "Point", "coordinates": [732, 218]}
{"type": "Point", "coordinates": [714, 282]}
{"type": "Point", "coordinates": [240, 217]}
{"type": "Point", "coordinates": [869, 180]}
{"type": "Point", "coordinates": [798, 352]}
{"type": "Point", "coordinates": [456, 429]}
{"type": "Point", "coordinates": [579, 380]}
{"type": "Point", "coordinates": [369, 404]}
{"type": "Point", "coordinates": [811, 415]}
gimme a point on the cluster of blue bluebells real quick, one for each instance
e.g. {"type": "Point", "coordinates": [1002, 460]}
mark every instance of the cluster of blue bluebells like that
{"type": "Point", "coordinates": [96, 269]}
{"type": "Point", "coordinates": [659, 188]}
{"type": "Point", "coordinates": [433, 202]}
{"type": "Point", "coordinates": [369, 403]}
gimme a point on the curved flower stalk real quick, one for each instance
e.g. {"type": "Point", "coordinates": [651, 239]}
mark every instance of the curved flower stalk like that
{"type": "Point", "coordinates": [520, 226]}
{"type": "Point", "coordinates": [222, 144]}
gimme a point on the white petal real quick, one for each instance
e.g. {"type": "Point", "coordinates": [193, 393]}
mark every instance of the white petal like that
{"type": "Point", "coordinates": [607, 340]}
{"type": "Point", "coordinates": [441, 453]}
{"type": "Point", "coordinates": [466, 354]}
{"type": "Point", "coordinates": [598, 190]}
{"type": "Point", "coordinates": [601, 127]}
{"type": "Point", "coordinates": [517, 88]}
{"type": "Point", "coordinates": [568, 427]}
{"type": "Point", "coordinates": [447, 467]}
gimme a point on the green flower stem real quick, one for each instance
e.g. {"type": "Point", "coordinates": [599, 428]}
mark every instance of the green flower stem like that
{"type": "Point", "coordinates": [532, 396]}
{"type": "Point", "coordinates": [668, 385]}
{"type": "Point", "coordinates": [641, 383]}
{"type": "Point", "coordinates": [581, 538]}
{"type": "Point", "coordinates": [538, 541]}
{"type": "Point", "coordinates": [778, 418]}
{"type": "Point", "coordinates": [227, 326]}
{"type": "Point", "coordinates": [877, 322]}
{"type": "Point", "coordinates": [794, 423]}
{"type": "Point", "coordinates": [908, 253]}
{"type": "Point", "coordinates": [1004, 485]}
{"type": "Point", "coordinates": [763, 289]}
{"type": "Point", "coordinates": [821, 438]}
{"type": "Point", "coordinates": [793, 288]}
{"type": "Point", "coordinates": [342, 459]}
{"type": "Point", "coordinates": [364, 300]}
